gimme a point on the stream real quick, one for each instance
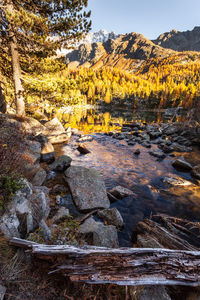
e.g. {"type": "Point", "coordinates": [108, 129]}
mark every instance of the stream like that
{"type": "Point", "coordinates": [143, 174]}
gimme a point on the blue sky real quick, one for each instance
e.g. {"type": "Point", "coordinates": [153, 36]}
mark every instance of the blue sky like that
{"type": "Point", "coordinates": [149, 17]}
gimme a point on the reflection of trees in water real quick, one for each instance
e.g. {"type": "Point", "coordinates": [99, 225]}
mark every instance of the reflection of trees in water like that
{"type": "Point", "coordinates": [107, 118]}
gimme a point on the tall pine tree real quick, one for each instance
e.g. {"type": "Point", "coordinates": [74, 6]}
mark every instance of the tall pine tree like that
{"type": "Point", "coordinates": [31, 28]}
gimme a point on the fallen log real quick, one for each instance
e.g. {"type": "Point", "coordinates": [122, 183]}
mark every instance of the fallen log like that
{"type": "Point", "coordinates": [123, 266]}
{"type": "Point", "coordinates": [169, 232]}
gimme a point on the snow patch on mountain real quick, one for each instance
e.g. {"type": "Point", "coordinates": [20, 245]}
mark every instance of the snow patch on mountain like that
{"type": "Point", "coordinates": [100, 36]}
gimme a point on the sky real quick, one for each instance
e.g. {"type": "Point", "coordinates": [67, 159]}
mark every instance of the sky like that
{"type": "Point", "coordinates": [149, 17]}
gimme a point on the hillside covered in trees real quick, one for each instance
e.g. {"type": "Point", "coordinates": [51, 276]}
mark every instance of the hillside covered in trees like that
{"type": "Point", "coordinates": [159, 83]}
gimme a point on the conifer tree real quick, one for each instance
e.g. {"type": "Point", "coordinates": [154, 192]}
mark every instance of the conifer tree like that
{"type": "Point", "coordinates": [32, 28]}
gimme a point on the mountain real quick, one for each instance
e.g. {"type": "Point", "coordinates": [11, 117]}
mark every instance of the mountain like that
{"type": "Point", "coordinates": [125, 52]}
{"type": "Point", "coordinates": [100, 36]}
{"type": "Point", "coordinates": [180, 41]}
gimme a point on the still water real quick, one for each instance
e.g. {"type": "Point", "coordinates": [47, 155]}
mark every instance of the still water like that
{"type": "Point", "coordinates": [143, 174]}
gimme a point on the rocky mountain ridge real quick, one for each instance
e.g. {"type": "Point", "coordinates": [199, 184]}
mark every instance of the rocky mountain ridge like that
{"type": "Point", "coordinates": [125, 52]}
{"type": "Point", "coordinates": [180, 41]}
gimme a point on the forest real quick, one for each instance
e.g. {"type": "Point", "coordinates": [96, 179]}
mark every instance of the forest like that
{"type": "Point", "coordinates": [159, 83]}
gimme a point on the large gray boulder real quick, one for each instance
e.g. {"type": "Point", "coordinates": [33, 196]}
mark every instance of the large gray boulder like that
{"type": "Point", "coordinates": [87, 188]}
{"type": "Point", "coordinates": [103, 236]}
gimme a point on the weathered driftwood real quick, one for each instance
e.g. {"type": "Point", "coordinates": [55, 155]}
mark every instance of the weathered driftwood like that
{"type": "Point", "coordinates": [123, 266]}
{"type": "Point", "coordinates": [171, 232]}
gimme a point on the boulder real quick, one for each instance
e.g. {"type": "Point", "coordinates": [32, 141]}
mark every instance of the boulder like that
{"type": "Point", "coordinates": [33, 126]}
{"type": "Point", "coordinates": [87, 188]}
{"type": "Point", "coordinates": [39, 177]}
{"type": "Point", "coordinates": [61, 164]}
{"type": "Point", "coordinates": [112, 217]}
{"type": "Point", "coordinates": [53, 127]}
{"type": "Point", "coordinates": [196, 172]}
{"type": "Point", "coordinates": [180, 163]}
{"type": "Point", "coordinates": [103, 236]}
{"type": "Point", "coordinates": [121, 192]}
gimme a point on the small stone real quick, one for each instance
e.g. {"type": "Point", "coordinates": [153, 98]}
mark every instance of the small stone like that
{"type": "Point", "coordinates": [112, 217]}
{"type": "Point", "coordinates": [59, 139]}
{"type": "Point", "coordinates": [39, 177]}
{"type": "Point", "coordinates": [61, 164]}
{"type": "Point", "coordinates": [2, 292]}
{"type": "Point", "coordinates": [176, 181]}
{"type": "Point", "coordinates": [83, 149]}
{"type": "Point", "coordinates": [157, 154]}
{"type": "Point", "coordinates": [62, 213]}
{"type": "Point", "coordinates": [180, 163]}
{"type": "Point", "coordinates": [196, 172]}
{"type": "Point", "coordinates": [137, 152]}
{"type": "Point", "coordinates": [121, 192]}
{"type": "Point", "coordinates": [46, 232]}
{"type": "Point", "coordinates": [102, 236]}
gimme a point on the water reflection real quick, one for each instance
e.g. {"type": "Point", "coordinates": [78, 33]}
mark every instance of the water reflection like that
{"type": "Point", "coordinates": [108, 118]}
{"type": "Point", "coordinates": [118, 165]}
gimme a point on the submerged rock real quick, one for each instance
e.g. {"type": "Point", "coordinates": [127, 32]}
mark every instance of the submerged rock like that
{"type": "Point", "coordinates": [121, 192]}
{"type": "Point", "coordinates": [87, 188]}
{"type": "Point", "coordinates": [103, 236]}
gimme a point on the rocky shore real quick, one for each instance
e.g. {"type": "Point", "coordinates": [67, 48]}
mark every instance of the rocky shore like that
{"type": "Point", "coordinates": [59, 203]}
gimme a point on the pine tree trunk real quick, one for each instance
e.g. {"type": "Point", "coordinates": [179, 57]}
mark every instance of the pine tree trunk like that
{"type": "Point", "coordinates": [3, 105]}
{"type": "Point", "coordinates": [19, 91]}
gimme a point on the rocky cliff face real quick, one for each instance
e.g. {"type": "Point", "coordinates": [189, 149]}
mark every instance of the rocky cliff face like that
{"type": "Point", "coordinates": [125, 52]}
{"type": "Point", "coordinates": [180, 41]}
